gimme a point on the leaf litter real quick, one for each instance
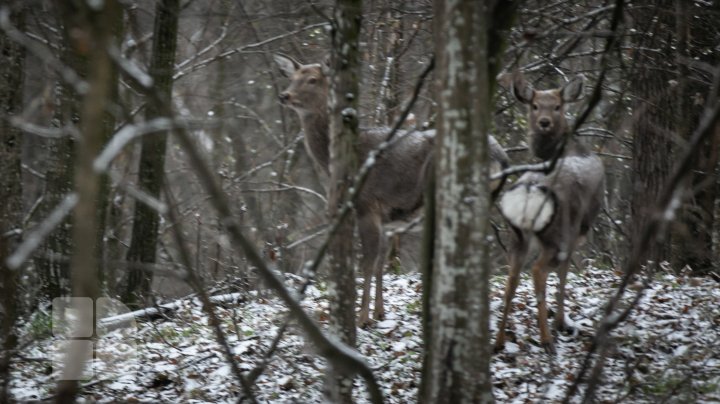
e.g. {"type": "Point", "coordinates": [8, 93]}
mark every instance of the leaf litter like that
{"type": "Point", "coordinates": [668, 349]}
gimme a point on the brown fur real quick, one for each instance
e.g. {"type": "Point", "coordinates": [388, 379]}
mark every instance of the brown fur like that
{"type": "Point", "coordinates": [395, 186]}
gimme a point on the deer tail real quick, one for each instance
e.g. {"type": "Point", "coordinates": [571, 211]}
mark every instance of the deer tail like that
{"type": "Point", "coordinates": [528, 206]}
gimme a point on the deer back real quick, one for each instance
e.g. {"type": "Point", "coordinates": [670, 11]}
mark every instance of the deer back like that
{"type": "Point", "coordinates": [396, 182]}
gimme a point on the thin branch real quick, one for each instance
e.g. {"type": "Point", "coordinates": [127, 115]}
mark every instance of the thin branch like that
{"type": "Point", "coordinates": [43, 131]}
{"type": "Point", "coordinates": [36, 237]}
{"type": "Point", "coordinates": [242, 49]}
{"type": "Point", "coordinates": [43, 53]}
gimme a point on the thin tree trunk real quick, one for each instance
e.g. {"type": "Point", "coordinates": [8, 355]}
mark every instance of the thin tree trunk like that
{"type": "Point", "coordinates": [344, 96]}
{"type": "Point", "coordinates": [97, 29]}
{"type": "Point", "coordinates": [12, 68]}
{"type": "Point", "coordinates": [143, 245]}
{"type": "Point", "coordinates": [106, 277]}
{"type": "Point", "coordinates": [59, 157]}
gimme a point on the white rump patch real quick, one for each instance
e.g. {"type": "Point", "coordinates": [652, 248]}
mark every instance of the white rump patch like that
{"type": "Point", "coordinates": [528, 207]}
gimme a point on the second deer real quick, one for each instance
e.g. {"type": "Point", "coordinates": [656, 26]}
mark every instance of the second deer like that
{"type": "Point", "coordinates": [395, 186]}
{"type": "Point", "coordinates": [556, 208]}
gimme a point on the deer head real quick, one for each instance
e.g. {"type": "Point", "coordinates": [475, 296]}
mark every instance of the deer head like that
{"type": "Point", "coordinates": [308, 89]}
{"type": "Point", "coordinates": [546, 113]}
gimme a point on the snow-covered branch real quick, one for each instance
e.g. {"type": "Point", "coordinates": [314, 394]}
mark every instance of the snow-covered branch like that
{"type": "Point", "coordinates": [36, 237]}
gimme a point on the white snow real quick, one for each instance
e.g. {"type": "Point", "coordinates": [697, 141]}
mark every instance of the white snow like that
{"type": "Point", "coordinates": [671, 334]}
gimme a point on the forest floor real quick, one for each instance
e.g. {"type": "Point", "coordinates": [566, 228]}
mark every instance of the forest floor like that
{"type": "Point", "coordinates": [667, 351]}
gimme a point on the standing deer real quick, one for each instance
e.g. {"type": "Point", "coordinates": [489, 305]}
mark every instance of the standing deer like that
{"type": "Point", "coordinates": [395, 185]}
{"type": "Point", "coordinates": [556, 208]}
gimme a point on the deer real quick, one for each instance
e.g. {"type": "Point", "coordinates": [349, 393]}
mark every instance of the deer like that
{"type": "Point", "coordinates": [395, 186]}
{"type": "Point", "coordinates": [556, 208]}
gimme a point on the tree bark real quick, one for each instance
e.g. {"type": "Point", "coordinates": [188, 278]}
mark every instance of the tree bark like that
{"type": "Point", "coordinates": [12, 68]}
{"type": "Point", "coordinates": [653, 126]}
{"type": "Point", "coordinates": [152, 158]}
{"type": "Point", "coordinates": [458, 367]}
{"type": "Point", "coordinates": [692, 236]}
{"type": "Point", "coordinates": [91, 43]}
{"type": "Point", "coordinates": [59, 159]}
{"type": "Point", "coordinates": [343, 104]}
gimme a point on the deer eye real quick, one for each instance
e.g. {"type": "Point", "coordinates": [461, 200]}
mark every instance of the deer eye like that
{"type": "Point", "coordinates": [535, 107]}
{"type": "Point", "coordinates": [557, 107]}
{"type": "Point", "coordinates": [312, 80]}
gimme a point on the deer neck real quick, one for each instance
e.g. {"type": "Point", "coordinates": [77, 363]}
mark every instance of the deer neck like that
{"type": "Point", "coordinates": [547, 147]}
{"type": "Point", "coordinates": [316, 127]}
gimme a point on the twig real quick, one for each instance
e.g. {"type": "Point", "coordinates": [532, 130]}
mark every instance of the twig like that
{"type": "Point", "coordinates": [43, 53]}
{"type": "Point", "coordinates": [243, 48]}
{"type": "Point", "coordinates": [36, 237]}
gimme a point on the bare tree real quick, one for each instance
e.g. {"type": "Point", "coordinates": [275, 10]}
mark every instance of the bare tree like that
{"type": "Point", "coordinates": [143, 246]}
{"type": "Point", "coordinates": [96, 28]}
{"type": "Point", "coordinates": [696, 33]}
{"type": "Point", "coordinates": [59, 157]}
{"type": "Point", "coordinates": [343, 104]}
{"type": "Point", "coordinates": [12, 70]}
{"type": "Point", "coordinates": [458, 368]}
{"type": "Point", "coordinates": [654, 120]}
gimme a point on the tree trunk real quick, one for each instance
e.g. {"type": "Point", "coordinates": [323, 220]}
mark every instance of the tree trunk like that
{"type": "Point", "coordinates": [60, 154]}
{"type": "Point", "coordinates": [344, 96]}
{"type": "Point", "coordinates": [692, 236]}
{"type": "Point", "coordinates": [458, 368]}
{"type": "Point", "coordinates": [653, 126]}
{"type": "Point", "coordinates": [106, 276]}
{"type": "Point", "coordinates": [12, 68]}
{"type": "Point", "coordinates": [92, 44]}
{"type": "Point", "coordinates": [152, 158]}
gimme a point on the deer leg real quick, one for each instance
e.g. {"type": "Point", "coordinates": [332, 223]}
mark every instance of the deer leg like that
{"type": "Point", "coordinates": [559, 321]}
{"type": "Point", "coordinates": [517, 257]}
{"type": "Point", "coordinates": [370, 229]}
{"type": "Point", "coordinates": [379, 313]}
{"type": "Point", "coordinates": [540, 275]}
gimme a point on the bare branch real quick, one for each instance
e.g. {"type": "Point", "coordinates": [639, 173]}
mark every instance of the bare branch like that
{"type": "Point", "coordinates": [36, 237]}
{"type": "Point", "coordinates": [46, 55]}
{"type": "Point", "coordinates": [241, 49]}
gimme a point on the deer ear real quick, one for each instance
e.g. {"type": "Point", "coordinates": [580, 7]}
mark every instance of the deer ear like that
{"type": "Point", "coordinates": [573, 89]}
{"type": "Point", "coordinates": [521, 89]}
{"type": "Point", "coordinates": [287, 65]}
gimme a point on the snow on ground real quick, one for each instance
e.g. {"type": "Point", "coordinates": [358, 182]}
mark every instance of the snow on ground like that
{"type": "Point", "coordinates": [668, 350]}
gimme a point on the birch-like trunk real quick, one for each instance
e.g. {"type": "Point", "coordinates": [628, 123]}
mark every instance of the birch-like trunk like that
{"type": "Point", "coordinates": [457, 368]}
{"type": "Point", "coordinates": [343, 103]}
